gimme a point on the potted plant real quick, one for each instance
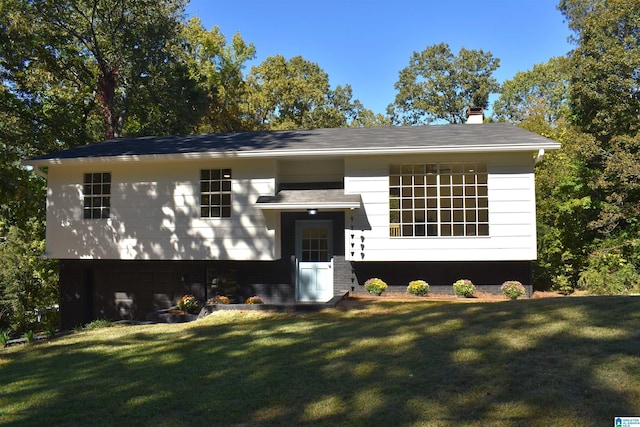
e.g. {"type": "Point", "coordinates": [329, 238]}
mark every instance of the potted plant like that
{"type": "Point", "coordinates": [464, 288]}
{"type": "Point", "coordinates": [513, 289]}
{"type": "Point", "coordinates": [189, 304]}
{"type": "Point", "coordinates": [219, 299]}
{"type": "Point", "coordinates": [375, 286]}
{"type": "Point", "coordinates": [418, 288]}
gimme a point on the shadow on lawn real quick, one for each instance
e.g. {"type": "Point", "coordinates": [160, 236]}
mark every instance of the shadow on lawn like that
{"type": "Point", "coordinates": [570, 361]}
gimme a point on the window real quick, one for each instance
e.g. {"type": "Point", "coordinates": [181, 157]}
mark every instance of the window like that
{"type": "Point", "coordinates": [96, 190]}
{"type": "Point", "coordinates": [446, 199]}
{"type": "Point", "coordinates": [215, 193]}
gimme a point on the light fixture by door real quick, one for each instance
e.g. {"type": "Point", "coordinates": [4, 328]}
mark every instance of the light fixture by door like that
{"type": "Point", "coordinates": [312, 211]}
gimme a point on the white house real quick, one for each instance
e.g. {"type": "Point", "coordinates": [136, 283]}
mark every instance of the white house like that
{"type": "Point", "coordinates": [288, 215]}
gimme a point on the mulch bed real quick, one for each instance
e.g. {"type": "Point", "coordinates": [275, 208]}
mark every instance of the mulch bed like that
{"type": "Point", "coordinates": [479, 296]}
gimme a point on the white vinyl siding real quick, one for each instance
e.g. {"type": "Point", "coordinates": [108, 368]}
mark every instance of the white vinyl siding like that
{"type": "Point", "coordinates": [155, 214]}
{"type": "Point", "coordinates": [511, 196]}
{"type": "Point", "coordinates": [317, 170]}
{"type": "Point", "coordinates": [155, 210]}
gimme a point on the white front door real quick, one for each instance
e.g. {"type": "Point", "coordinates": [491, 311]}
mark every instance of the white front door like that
{"type": "Point", "coordinates": [314, 259]}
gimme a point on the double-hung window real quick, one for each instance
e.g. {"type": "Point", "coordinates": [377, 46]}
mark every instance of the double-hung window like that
{"type": "Point", "coordinates": [215, 193]}
{"type": "Point", "coordinates": [438, 199]}
{"type": "Point", "coordinates": [96, 190]}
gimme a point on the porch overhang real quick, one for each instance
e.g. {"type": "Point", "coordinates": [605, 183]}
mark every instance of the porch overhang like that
{"type": "Point", "coordinates": [300, 200]}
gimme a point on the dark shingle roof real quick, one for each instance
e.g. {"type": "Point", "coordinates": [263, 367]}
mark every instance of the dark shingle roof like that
{"type": "Point", "coordinates": [491, 136]}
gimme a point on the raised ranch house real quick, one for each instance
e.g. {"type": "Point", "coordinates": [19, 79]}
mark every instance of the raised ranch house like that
{"type": "Point", "coordinates": [290, 216]}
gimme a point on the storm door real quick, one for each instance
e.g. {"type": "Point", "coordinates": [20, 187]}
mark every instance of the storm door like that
{"type": "Point", "coordinates": [314, 260]}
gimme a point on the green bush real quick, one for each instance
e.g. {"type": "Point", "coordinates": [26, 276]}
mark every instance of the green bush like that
{"type": "Point", "coordinates": [51, 331]}
{"type": "Point", "coordinates": [254, 300]}
{"type": "Point", "coordinates": [609, 273]}
{"type": "Point", "coordinates": [513, 289]}
{"type": "Point", "coordinates": [464, 288]}
{"type": "Point", "coordinates": [375, 286]}
{"type": "Point", "coordinates": [562, 284]}
{"type": "Point", "coordinates": [418, 287]}
{"type": "Point", "coordinates": [30, 336]}
{"type": "Point", "coordinates": [189, 304]}
{"type": "Point", "coordinates": [4, 337]}
{"type": "Point", "coordinates": [98, 324]}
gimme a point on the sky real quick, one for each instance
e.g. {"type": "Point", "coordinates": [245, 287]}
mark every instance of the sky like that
{"type": "Point", "coordinates": [365, 43]}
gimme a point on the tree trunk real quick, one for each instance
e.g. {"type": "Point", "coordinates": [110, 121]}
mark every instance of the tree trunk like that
{"type": "Point", "coordinates": [107, 81]}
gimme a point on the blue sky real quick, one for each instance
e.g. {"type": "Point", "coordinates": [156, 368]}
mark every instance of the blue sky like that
{"type": "Point", "coordinates": [365, 43]}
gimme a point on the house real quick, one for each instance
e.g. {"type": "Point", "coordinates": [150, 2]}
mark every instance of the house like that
{"type": "Point", "coordinates": [288, 215]}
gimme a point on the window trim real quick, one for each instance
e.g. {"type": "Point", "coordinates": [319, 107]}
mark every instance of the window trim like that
{"type": "Point", "coordinates": [439, 200]}
{"type": "Point", "coordinates": [216, 198]}
{"type": "Point", "coordinates": [96, 195]}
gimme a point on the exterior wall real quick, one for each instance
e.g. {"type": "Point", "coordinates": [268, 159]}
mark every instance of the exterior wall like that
{"type": "Point", "coordinates": [133, 289]}
{"type": "Point", "coordinates": [512, 229]}
{"type": "Point", "coordinates": [155, 213]}
{"type": "Point", "coordinates": [316, 170]}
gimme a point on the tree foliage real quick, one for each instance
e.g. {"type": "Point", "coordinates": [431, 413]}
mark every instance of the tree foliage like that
{"type": "Point", "coordinates": [296, 94]}
{"type": "Point", "coordinates": [217, 67]}
{"type": "Point", "coordinates": [604, 88]}
{"type": "Point", "coordinates": [542, 90]}
{"type": "Point", "coordinates": [438, 85]}
{"type": "Point", "coordinates": [605, 85]}
{"type": "Point", "coordinates": [26, 280]}
{"type": "Point", "coordinates": [110, 58]}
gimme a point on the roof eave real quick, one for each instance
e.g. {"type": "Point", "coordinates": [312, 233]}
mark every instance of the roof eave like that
{"type": "Point", "coordinates": [296, 153]}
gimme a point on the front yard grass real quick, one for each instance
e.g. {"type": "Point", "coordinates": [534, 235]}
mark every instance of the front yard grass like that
{"type": "Point", "coordinates": [559, 361]}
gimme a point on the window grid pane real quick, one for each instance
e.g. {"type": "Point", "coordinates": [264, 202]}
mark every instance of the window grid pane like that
{"type": "Point", "coordinates": [215, 193]}
{"type": "Point", "coordinates": [96, 192]}
{"type": "Point", "coordinates": [445, 199]}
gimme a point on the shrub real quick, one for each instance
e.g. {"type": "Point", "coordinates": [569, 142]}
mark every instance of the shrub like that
{"type": "Point", "coordinates": [30, 336]}
{"type": "Point", "coordinates": [188, 304]}
{"type": "Point", "coordinates": [609, 273]}
{"type": "Point", "coordinates": [97, 324]}
{"type": "Point", "coordinates": [418, 287]}
{"type": "Point", "coordinates": [4, 337]}
{"type": "Point", "coordinates": [51, 331]}
{"type": "Point", "coordinates": [513, 289]}
{"type": "Point", "coordinates": [375, 286]}
{"type": "Point", "coordinates": [254, 300]}
{"type": "Point", "coordinates": [562, 284]}
{"type": "Point", "coordinates": [219, 299]}
{"type": "Point", "coordinates": [464, 288]}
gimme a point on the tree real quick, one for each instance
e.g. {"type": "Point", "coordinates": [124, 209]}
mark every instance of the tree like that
{"type": "Point", "coordinates": [437, 85]}
{"type": "Point", "coordinates": [218, 70]}
{"type": "Point", "coordinates": [109, 55]}
{"type": "Point", "coordinates": [605, 84]}
{"type": "Point", "coordinates": [27, 281]}
{"type": "Point", "coordinates": [605, 101]}
{"type": "Point", "coordinates": [295, 94]}
{"type": "Point", "coordinates": [537, 100]}
{"type": "Point", "coordinates": [565, 205]}
{"type": "Point", "coordinates": [542, 90]}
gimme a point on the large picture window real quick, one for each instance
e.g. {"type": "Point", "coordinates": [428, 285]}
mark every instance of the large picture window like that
{"type": "Point", "coordinates": [438, 199]}
{"type": "Point", "coordinates": [215, 193]}
{"type": "Point", "coordinates": [96, 190]}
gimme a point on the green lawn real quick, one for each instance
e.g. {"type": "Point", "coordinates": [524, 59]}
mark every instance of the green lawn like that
{"type": "Point", "coordinates": [543, 362]}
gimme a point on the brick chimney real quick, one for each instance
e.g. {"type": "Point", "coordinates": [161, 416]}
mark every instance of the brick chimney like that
{"type": "Point", "coordinates": [475, 115]}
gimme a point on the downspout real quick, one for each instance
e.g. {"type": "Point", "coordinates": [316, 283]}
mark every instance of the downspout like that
{"type": "Point", "coordinates": [539, 157]}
